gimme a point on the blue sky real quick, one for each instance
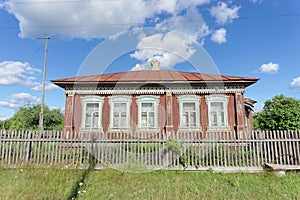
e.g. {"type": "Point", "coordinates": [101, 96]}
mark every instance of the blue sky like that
{"type": "Point", "coordinates": [252, 38]}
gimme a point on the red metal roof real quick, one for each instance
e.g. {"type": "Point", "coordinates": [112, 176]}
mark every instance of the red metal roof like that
{"type": "Point", "coordinates": [154, 76]}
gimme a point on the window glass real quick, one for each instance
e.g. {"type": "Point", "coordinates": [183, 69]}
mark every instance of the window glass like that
{"type": "Point", "coordinates": [91, 112]}
{"type": "Point", "coordinates": [217, 111]}
{"type": "Point", "coordinates": [147, 107]}
{"type": "Point", "coordinates": [120, 115]}
{"type": "Point", "coordinates": [147, 111]}
{"type": "Point", "coordinates": [189, 114]}
{"type": "Point", "coordinates": [189, 106]}
{"type": "Point", "coordinates": [147, 115]}
{"type": "Point", "coordinates": [217, 114]}
{"type": "Point", "coordinates": [92, 115]}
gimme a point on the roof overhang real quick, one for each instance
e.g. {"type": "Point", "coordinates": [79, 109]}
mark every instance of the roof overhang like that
{"type": "Point", "coordinates": [162, 77]}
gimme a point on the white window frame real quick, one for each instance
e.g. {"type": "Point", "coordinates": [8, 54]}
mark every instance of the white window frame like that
{"type": "Point", "coordinates": [91, 99]}
{"type": "Point", "coordinates": [119, 99]}
{"type": "Point", "coordinates": [220, 99]}
{"type": "Point", "coordinates": [148, 99]}
{"type": "Point", "coordinates": [189, 99]}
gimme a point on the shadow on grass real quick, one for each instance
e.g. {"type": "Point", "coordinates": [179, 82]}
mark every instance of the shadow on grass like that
{"type": "Point", "coordinates": [74, 192]}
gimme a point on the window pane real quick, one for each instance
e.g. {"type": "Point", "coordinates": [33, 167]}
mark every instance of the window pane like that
{"type": "Point", "coordinates": [119, 117]}
{"type": "Point", "coordinates": [116, 120]}
{"type": "Point", "coordinates": [147, 106]}
{"type": "Point", "coordinates": [144, 119]}
{"type": "Point", "coordinates": [92, 107]}
{"type": "Point", "coordinates": [88, 120]}
{"type": "Point", "coordinates": [189, 106]}
{"type": "Point", "coordinates": [222, 118]}
{"type": "Point", "coordinates": [185, 119]}
{"type": "Point", "coordinates": [151, 119]}
{"type": "Point", "coordinates": [217, 114]}
{"type": "Point", "coordinates": [189, 114]}
{"type": "Point", "coordinates": [217, 106]}
{"type": "Point", "coordinates": [95, 121]}
{"type": "Point", "coordinates": [214, 119]}
{"type": "Point", "coordinates": [120, 107]}
{"type": "Point", "coordinates": [123, 121]}
{"type": "Point", "coordinates": [193, 119]}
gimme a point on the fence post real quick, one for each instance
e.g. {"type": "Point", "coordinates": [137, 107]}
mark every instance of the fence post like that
{"type": "Point", "coordinates": [29, 146]}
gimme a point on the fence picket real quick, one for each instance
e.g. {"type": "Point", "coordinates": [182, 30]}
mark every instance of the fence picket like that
{"type": "Point", "coordinates": [293, 146]}
{"type": "Point", "coordinates": [298, 146]}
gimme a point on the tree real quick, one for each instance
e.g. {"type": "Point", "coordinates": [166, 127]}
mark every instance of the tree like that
{"type": "Point", "coordinates": [27, 118]}
{"type": "Point", "coordinates": [280, 113]}
{"type": "Point", "coordinates": [4, 124]}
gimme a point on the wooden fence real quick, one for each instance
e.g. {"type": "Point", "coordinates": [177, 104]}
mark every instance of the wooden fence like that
{"type": "Point", "coordinates": [150, 151]}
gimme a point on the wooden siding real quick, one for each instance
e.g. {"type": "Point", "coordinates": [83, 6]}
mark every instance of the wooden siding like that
{"type": "Point", "coordinates": [236, 119]}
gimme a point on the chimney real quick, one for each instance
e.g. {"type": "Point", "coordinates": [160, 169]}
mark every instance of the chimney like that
{"type": "Point", "coordinates": [155, 64]}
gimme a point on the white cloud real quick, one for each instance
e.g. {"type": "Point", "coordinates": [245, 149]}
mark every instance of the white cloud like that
{"type": "Point", "coordinates": [170, 48]}
{"type": "Point", "coordinates": [18, 100]}
{"type": "Point", "coordinates": [23, 98]}
{"type": "Point", "coordinates": [6, 104]}
{"type": "Point", "coordinates": [74, 19]}
{"type": "Point", "coordinates": [269, 68]}
{"type": "Point", "coordinates": [98, 19]}
{"type": "Point", "coordinates": [219, 36]}
{"type": "Point", "coordinates": [48, 86]}
{"type": "Point", "coordinates": [174, 45]}
{"type": "Point", "coordinates": [139, 67]}
{"type": "Point", "coordinates": [88, 19]}
{"type": "Point", "coordinates": [295, 83]}
{"type": "Point", "coordinates": [196, 27]}
{"type": "Point", "coordinates": [14, 72]}
{"type": "Point", "coordinates": [223, 14]}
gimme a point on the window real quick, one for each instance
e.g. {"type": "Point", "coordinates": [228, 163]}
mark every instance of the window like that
{"type": "Point", "coordinates": [92, 115]}
{"type": "Point", "coordinates": [189, 112]}
{"type": "Point", "coordinates": [91, 112]}
{"type": "Point", "coordinates": [147, 111]}
{"type": "Point", "coordinates": [217, 112]}
{"type": "Point", "coordinates": [120, 112]}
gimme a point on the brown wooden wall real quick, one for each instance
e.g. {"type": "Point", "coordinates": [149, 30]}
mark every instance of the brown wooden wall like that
{"type": "Point", "coordinates": [237, 121]}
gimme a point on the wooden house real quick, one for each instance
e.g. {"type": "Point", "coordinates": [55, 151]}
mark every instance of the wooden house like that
{"type": "Point", "coordinates": [157, 100]}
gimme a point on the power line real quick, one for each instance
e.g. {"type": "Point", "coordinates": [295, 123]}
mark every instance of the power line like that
{"type": "Point", "coordinates": [137, 23]}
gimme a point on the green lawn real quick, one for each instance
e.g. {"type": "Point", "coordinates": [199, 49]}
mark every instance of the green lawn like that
{"type": "Point", "coordinates": [111, 184]}
{"type": "Point", "coordinates": [32, 183]}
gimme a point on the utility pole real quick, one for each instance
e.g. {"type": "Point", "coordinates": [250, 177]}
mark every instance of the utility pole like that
{"type": "Point", "coordinates": [41, 122]}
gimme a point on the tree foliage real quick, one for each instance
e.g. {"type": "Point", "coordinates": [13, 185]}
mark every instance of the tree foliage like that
{"type": "Point", "coordinates": [27, 118]}
{"type": "Point", "coordinates": [280, 113]}
{"type": "Point", "coordinates": [4, 124]}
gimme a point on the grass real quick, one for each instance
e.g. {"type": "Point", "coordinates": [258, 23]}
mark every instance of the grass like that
{"type": "Point", "coordinates": [37, 183]}
{"type": "Point", "coordinates": [110, 184]}
{"type": "Point", "coordinates": [40, 183]}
